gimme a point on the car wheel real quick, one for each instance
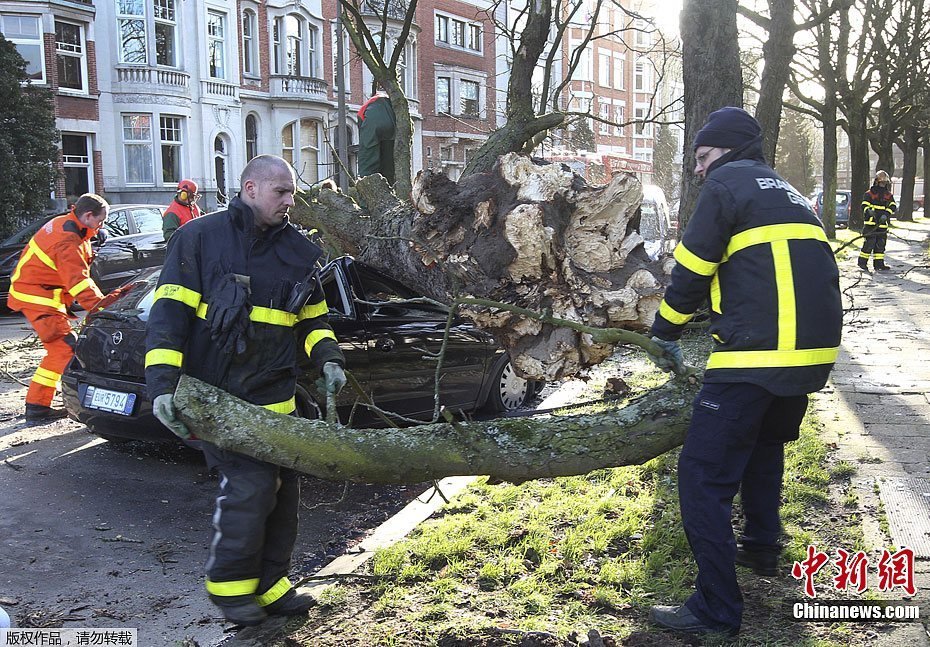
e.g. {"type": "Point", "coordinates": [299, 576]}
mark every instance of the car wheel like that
{"type": "Point", "coordinates": [508, 390]}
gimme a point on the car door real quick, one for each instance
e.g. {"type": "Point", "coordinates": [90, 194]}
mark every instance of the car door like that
{"type": "Point", "coordinates": [136, 243]}
{"type": "Point", "coordinates": [404, 340]}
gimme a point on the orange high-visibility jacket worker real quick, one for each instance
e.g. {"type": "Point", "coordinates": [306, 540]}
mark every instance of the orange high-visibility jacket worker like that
{"type": "Point", "coordinates": [54, 271]}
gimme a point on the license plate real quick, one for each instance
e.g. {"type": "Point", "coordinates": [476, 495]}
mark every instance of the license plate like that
{"type": "Point", "coordinates": [109, 401]}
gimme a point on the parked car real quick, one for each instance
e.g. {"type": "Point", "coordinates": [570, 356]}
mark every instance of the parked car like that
{"type": "Point", "coordinates": [655, 223]}
{"type": "Point", "coordinates": [843, 202]}
{"type": "Point", "coordinates": [385, 344]}
{"type": "Point", "coordinates": [134, 243]}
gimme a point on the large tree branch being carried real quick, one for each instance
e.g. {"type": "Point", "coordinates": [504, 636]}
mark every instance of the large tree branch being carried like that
{"type": "Point", "coordinates": [511, 449]}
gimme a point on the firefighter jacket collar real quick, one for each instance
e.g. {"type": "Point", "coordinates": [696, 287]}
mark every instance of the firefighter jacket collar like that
{"type": "Point", "coordinates": [749, 151]}
{"type": "Point", "coordinates": [243, 218]}
{"type": "Point", "coordinates": [82, 230]}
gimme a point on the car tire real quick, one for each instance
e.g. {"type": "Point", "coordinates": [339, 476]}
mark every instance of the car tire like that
{"type": "Point", "coordinates": [508, 391]}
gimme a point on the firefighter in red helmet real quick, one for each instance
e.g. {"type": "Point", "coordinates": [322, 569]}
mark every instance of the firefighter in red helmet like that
{"type": "Point", "coordinates": [182, 209]}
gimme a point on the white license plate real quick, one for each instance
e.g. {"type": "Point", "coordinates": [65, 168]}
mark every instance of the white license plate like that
{"type": "Point", "coordinates": [110, 401]}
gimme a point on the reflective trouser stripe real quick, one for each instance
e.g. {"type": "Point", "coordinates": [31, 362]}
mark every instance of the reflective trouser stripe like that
{"type": "Point", "coordinates": [46, 377]}
{"type": "Point", "coordinates": [286, 407]}
{"type": "Point", "coordinates": [232, 588]}
{"type": "Point", "coordinates": [275, 593]}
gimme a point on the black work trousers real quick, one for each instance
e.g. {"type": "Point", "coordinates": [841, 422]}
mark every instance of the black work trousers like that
{"type": "Point", "coordinates": [254, 523]}
{"type": "Point", "coordinates": [874, 244]}
{"type": "Point", "coordinates": [735, 443]}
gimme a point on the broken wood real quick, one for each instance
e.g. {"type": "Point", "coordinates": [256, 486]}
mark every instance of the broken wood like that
{"type": "Point", "coordinates": [508, 449]}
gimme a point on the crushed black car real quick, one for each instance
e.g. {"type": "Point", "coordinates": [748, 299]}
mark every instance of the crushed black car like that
{"type": "Point", "coordinates": [389, 343]}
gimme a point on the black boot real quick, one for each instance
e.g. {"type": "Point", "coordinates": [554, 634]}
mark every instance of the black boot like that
{"type": "Point", "coordinates": [37, 413]}
{"type": "Point", "coordinates": [864, 264]}
{"type": "Point", "coordinates": [881, 267]}
{"type": "Point", "coordinates": [761, 561]}
{"type": "Point", "coordinates": [292, 604]}
{"type": "Point", "coordinates": [245, 614]}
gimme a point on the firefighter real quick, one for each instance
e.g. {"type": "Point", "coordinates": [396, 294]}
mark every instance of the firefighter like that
{"type": "Point", "coordinates": [877, 207]}
{"type": "Point", "coordinates": [237, 301]}
{"type": "Point", "coordinates": [182, 209]}
{"type": "Point", "coordinates": [376, 129]}
{"type": "Point", "coordinates": [54, 271]}
{"type": "Point", "coordinates": [757, 252]}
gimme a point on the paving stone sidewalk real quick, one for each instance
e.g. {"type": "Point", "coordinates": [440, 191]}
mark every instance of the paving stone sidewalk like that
{"type": "Point", "coordinates": [876, 408]}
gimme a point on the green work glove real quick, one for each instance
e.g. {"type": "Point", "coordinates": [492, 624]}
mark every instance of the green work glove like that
{"type": "Point", "coordinates": [163, 408]}
{"type": "Point", "coordinates": [671, 360]}
{"type": "Point", "coordinates": [334, 378]}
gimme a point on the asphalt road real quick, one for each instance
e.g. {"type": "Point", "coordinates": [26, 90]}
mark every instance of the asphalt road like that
{"type": "Point", "coordinates": [96, 534]}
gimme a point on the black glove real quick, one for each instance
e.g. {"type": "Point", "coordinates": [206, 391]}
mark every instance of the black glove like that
{"type": "Point", "coordinates": [71, 339]}
{"type": "Point", "coordinates": [228, 315]}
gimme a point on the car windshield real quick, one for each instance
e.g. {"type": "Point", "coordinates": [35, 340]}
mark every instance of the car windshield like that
{"type": "Point", "coordinates": [148, 220]}
{"type": "Point", "coordinates": [842, 198]}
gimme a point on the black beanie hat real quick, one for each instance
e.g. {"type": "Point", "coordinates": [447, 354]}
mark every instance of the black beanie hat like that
{"type": "Point", "coordinates": [728, 128]}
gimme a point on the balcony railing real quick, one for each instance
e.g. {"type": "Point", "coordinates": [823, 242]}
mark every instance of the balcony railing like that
{"type": "Point", "coordinates": [221, 89]}
{"type": "Point", "coordinates": [154, 79]}
{"type": "Point", "coordinates": [298, 87]}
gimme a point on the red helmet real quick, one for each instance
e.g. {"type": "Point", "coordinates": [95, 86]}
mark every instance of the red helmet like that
{"type": "Point", "coordinates": [187, 191]}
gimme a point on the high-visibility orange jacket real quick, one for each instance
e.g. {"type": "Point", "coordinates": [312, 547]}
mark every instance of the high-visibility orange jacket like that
{"type": "Point", "coordinates": [54, 268]}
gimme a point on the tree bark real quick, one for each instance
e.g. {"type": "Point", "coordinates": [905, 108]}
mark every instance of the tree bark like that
{"type": "Point", "coordinates": [509, 449]}
{"type": "Point", "coordinates": [778, 51]}
{"type": "Point", "coordinates": [908, 174]}
{"type": "Point", "coordinates": [712, 78]}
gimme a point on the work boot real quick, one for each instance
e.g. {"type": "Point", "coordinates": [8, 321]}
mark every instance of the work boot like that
{"type": "Point", "coordinates": [762, 562]}
{"type": "Point", "coordinates": [864, 264]}
{"type": "Point", "coordinates": [681, 619]}
{"type": "Point", "coordinates": [881, 267]}
{"type": "Point", "coordinates": [291, 604]}
{"type": "Point", "coordinates": [37, 413]}
{"type": "Point", "coordinates": [244, 614]}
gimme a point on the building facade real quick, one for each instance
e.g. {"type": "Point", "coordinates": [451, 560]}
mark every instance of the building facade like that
{"type": "Point", "coordinates": [149, 92]}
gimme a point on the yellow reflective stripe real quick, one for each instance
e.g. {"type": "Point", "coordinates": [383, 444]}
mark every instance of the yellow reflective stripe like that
{"type": "Point", "coordinates": [673, 316]}
{"type": "Point", "coordinates": [715, 294]}
{"type": "Point", "coordinates": [261, 314]}
{"type": "Point", "coordinates": [42, 256]}
{"type": "Point", "coordinates": [232, 588]}
{"type": "Point", "coordinates": [178, 293]}
{"type": "Point", "coordinates": [286, 407]}
{"type": "Point", "coordinates": [772, 233]}
{"type": "Point", "coordinates": [202, 309]}
{"type": "Point", "coordinates": [863, 255]}
{"type": "Point", "coordinates": [80, 287]}
{"type": "Point", "coordinates": [787, 305]}
{"type": "Point", "coordinates": [55, 302]}
{"type": "Point", "coordinates": [693, 262]}
{"type": "Point", "coordinates": [313, 310]}
{"type": "Point", "coordinates": [315, 336]}
{"type": "Point", "coordinates": [164, 356]}
{"type": "Point", "coordinates": [273, 594]}
{"type": "Point", "coordinates": [716, 337]}
{"type": "Point", "coordinates": [869, 205]}
{"type": "Point", "coordinates": [772, 358]}
{"type": "Point", "coordinates": [46, 377]}
{"type": "Point", "coordinates": [879, 257]}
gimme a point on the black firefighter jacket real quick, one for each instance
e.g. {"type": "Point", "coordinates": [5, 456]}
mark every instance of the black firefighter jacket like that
{"type": "Point", "coordinates": [200, 257]}
{"type": "Point", "coordinates": [878, 206]}
{"type": "Point", "coordinates": [757, 252]}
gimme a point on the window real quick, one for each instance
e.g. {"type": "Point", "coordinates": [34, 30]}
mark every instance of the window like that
{"type": "Point", "coordinates": [248, 42]}
{"type": "Point", "coordinates": [619, 118]}
{"type": "Point", "coordinates": [312, 66]}
{"type": "Point", "coordinates": [641, 114]}
{"type": "Point", "coordinates": [442, 29]}
{"type": "Point", "coordinates": [604, 113]}
{"type": "Point", "coordinates": [219, 170]}
{"type": "Point", "coordinates": [470, 104]}
{"type": "Point", "coordinates": [166, 33]}
{"type": "Point", "coordinates": [443, 95]}
{"type": "Point", "coordinates": [618, 71]}
{"type": "Point", "coordinates": [300, 146]}
{"type": "Point", "coordinates": [276, 31]}
{"type": "Point", "coordinates": [251, 137]}
{"type": "Point", "coordinates": [118, 223]}
{"type": "Point", "coordinates": [171, 150]}
{"type": "Point", "coordinates": [75, 156]}
{"type": "Point", "coordinates": [69, 54]}
{"type": "Point", "coordinates": [643, 32]}
{"type": "Point", "coordinates": [603, 68]}
{"type": "Point", "coordinates": [642, 79]}
{"type": "Point", "coordinates": [137, 148]}
{"type": "Point", "coordinates": [216, 44]}
{"type": "Point", "coordinates": [287, 143]}
{"type": "Point", "coordinates": [131, 24]}
{"type": "Point", "coordinates": [346, 75]}
{"type": "Point", "coordinates": [458, 33]}
{"type": "Point", "coordinates": [583, 71]}
{"type": "Point", "coordinates": [25, 33]}
{"type": "Point", "coordinates": [295, 41]}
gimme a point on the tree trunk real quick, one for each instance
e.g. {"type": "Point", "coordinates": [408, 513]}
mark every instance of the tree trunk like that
{"type": "Point", "coordinates": [830, 157]}
{"type": "Point", "coordinates": [908, 174]}
{"type": "Point", "coordinates": [533, 236]}
{"type": "Point", "coordinates": [712, 77]}
{"type": "Point", "coordinates": [859, 164]}
{"type": "Point", "coordinates": [926, 143]}
{"type": "Point", "coordinates": [510, 449]}
{"type": "Point", "coordinates": [778, 51]}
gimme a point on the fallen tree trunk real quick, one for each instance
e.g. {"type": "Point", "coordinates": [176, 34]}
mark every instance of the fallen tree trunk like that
{"type": "Point", "coordinates": [534, 236]}
{"type": "Point", "coordinates": [509, 449]}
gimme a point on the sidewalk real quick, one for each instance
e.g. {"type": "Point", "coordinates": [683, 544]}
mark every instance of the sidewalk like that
{"type": "Point", "coordinates": [876, 408]}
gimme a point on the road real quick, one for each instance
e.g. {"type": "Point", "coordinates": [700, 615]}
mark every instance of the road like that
{"type": "Point", "coordinates": [97, 534]}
